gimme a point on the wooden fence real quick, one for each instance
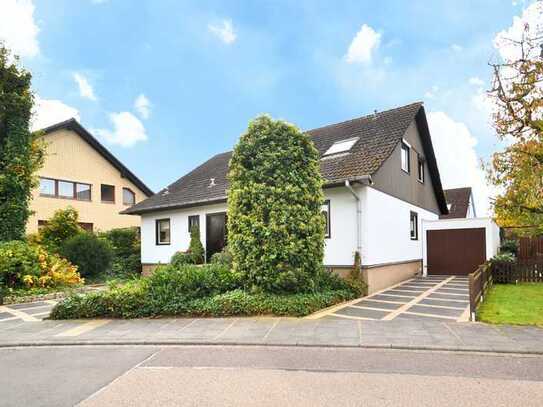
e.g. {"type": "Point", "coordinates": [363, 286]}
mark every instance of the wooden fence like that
{"type": "Point", "coordinates": [479, 283]}
{"type": "Point", "coordinates": [530, 248]}
{"type": "Point", "coordinates": [518, 272]}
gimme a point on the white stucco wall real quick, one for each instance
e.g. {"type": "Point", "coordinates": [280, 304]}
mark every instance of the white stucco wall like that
{"type": "Point", "coordinates": [151, 253]}
{"type": "Point", "coordinates": [492, 233]}
{"type": "Point", "coordinates": [386, 228]}
{"type": "Point", "coordinates": [339, 248]}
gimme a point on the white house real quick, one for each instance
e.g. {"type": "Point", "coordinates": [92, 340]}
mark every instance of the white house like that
{"type": "Point", "coordinates": [381, 182]}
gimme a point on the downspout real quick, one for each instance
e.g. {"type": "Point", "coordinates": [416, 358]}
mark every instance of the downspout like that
{"type": "Point", "coordinates": [366, 180]}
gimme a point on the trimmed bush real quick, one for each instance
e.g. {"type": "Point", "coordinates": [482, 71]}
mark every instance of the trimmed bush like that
{"type": "Point", "coordinates": [126, 246]}
{"type": "Point", "coordinates": [196, 249]}
{"type": "Point", "coordinates": [223, 257]}
{"type": "Point", "coordinates": [275, 225]}
{"type": "Point", "coordinates": [180, 259]}
{"type": "Point", "coordinates": [61, 227]}
{"type": "Point", "coordinates": [509, 246]}
{"type": "Point", "coordinates": [89, 253]}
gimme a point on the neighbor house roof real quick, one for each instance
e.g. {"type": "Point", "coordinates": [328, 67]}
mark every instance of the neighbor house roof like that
{"type": "Point", "coordinates": [72, 124]}
{"type": "Point", "coordinates": [458, 200]}
{"type": "Point", "coordinates": [378, 134]}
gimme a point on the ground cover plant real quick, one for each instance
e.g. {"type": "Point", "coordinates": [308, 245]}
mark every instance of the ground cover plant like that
{"type": "Point", "coordinates": [208, 290]}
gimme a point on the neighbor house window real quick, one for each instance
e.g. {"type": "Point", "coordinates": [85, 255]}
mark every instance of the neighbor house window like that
{"type": "Point", "coordinates": [326, 213]}
{"type": "Point", "coordinates": [65, 189]}
{"type": "Point", "coordinates": [129, 197]}
{"type": "Point", "coordinates": [162, 231]}
{"type": "Point", "coordinates": [194, 220]}
{"type": "Point", "coordinates": [83, 192]}
{"type": "Point", "coordinates": [414, 225]}
{"type": "Point", "coordinates": [47, 187]}
{"type": "Point", "coordinates": [405, 157]}
{"type": "Point", "coordinates": [420, 166]}
{"type": "Point", "coordinates": [86, 226]}
{"type": "Point", "coordinates": [107, 193]}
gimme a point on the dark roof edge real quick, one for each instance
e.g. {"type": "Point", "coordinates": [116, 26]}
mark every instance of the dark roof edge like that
{"type": "Point", "coordinates": [422, 125]}
{"type": "Point", "coordinates": [135, 211]}
{"type": "Point", "coordinates": [73, 124]}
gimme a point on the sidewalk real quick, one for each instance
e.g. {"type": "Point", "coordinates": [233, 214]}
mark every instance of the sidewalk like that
{"type": "Point", "coordinates": [328, 331]}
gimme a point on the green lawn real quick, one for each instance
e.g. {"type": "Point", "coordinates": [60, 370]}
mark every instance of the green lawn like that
{"type": "Point", "coordinates": [520, 304]}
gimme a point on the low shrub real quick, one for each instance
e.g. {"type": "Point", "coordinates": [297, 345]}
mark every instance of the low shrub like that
{"type": "Point", "coordinates": [62, 226]}
{"type": "Point", "coordinates": [503, 258]}
{"type": "Point", "coordinates": [125, 244]}
{"type": "Point", "coordinates": [31, 266]}
{"type": "Point", "coordinates": [223, 257]}
{"type": "Point", "coordinates": [509, 246]}
{"type": "Point", "coordinates": [190, 290]}
{"type": "Point", "coordinates": [180, 259]}
{"type": "Point", "coordinates": [91, 254]}
{"type": "Point", "coordinates": [190, 281]}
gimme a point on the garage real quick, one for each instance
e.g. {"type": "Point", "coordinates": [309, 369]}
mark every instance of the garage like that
{"type": "Point", "coordinates": [458, 246]}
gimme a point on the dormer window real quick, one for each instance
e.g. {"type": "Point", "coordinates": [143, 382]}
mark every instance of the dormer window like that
{"type": "Point", "coordinates": [342, 146]}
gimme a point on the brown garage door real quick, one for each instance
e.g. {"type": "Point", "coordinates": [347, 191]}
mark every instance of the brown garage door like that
{"type": "Point", "coordinates": [455, 251]}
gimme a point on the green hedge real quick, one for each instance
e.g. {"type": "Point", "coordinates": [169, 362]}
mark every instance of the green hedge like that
{"type": "Point", "coordinates": [211, 290]}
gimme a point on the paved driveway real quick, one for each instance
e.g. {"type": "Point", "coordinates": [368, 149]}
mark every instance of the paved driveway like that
{"type": "Point", "coordinates": [429, 298]}
{"type": "Point", "coordinates": [30, 312]}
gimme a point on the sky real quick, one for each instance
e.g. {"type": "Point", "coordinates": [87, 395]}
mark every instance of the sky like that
{"type": "Point", "coordinates": [166, 84]}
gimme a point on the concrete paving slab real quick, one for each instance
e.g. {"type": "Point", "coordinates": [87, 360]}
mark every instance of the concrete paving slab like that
{"type": "Point", "coordinates": [445, 303]}
{"type": "Point", "coordinates": [377, 304]}
{"type": "Point", "coordinates": [5, 315]}
{"type": "Point", "coordinates": [444, 296]}
{"type": "Point", "coordinates": [27, 305]}
{"type": "Point", "coordinates": [390, 298]}
{"type": "Point", "coordinates": [361, 313]}
{"type": "Point", "coordinates": [435, 311]}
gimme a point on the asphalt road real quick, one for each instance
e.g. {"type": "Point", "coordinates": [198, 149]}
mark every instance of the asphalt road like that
{"type": "Point", "coordinates": [233, 376]}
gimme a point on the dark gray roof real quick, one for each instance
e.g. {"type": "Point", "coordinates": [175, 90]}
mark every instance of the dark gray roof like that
{"type": "Point", "coordinates": [72, 124]}
{"type": "Point", "coordinates": [459, 199]}
{"type": "Point", "coordinates": [378, 133]}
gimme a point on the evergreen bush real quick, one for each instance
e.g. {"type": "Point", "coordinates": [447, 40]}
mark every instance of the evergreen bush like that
{"type": "Point", "coordinates": [275, 226]}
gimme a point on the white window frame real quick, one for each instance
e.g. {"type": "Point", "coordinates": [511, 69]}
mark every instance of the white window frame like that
{"type": "Point", "coordinates": [341, 146]}
{"type": "Point", "coordinates": [159, 241]}
{"type": "Point", "coordinates": [407, 148]}
{"type": "Point", "coordinates": [413, 225]}
{"type": "Point", "coordinates": [420, 168]}
{"type": "Point", "coordinates": [325, 209]}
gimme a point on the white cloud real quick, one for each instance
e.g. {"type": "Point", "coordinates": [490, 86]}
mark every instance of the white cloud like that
{"type": "Point", "coordinates": [365, 42]}
{"type": "Point", "coordinates": [17, 27]}
{"type": "Point", "coordinates": [127, 130]}
{"type": "Point", "coordinates": [49, 111]}
{"type": "Point", "coordinates": [85, 88]}
{"type": "Point", "coordinates": [143, 106]}
{"type": "Point", "coordinates": [457, 48]}
{"type": "Point", "coordinates": [532, 19]}
{"type": "Point", "coordinates": [430, 94]}
{"type": "Point", "coordinates": [225, 31]}
{"type": "Point", "coordinates": [476, 81]}
{"type": "Point", "coordinates": [459, 166]}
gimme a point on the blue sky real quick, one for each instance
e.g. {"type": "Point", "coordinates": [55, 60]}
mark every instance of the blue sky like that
{"type": "Point", "coordinates": [205, 68]}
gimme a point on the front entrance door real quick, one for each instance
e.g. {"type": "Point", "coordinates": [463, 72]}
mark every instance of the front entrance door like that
{"type": "Point", "coordinates": [215, 233]}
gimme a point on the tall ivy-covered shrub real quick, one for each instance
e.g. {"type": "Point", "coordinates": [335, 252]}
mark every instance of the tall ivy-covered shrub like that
{"type": "Point", "coordinates": [21, 154]}
{"type": "Point", "coordinates": [275, 225]}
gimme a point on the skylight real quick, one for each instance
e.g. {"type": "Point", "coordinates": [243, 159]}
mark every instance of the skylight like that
{"type": "Point", "coordinates": [341, 146]}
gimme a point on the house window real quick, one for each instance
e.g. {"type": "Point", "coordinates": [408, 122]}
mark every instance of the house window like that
{"type": "Point", "coordinates": [194, 220]}
{"type": "Point", "coordinates": [65, 189]}
{"type": "Point", "coordinates": [47, 187]}
{"type": "Point", "coordinates": [405, 157]}
{"type": "Point", "coordinates": [83, 192]}
{"type": "Point", "coordinates": [420, 166]}
{"type": "Point", "coordinates": [414, 225]}
{"type": "Point", "coordinates": [129, 197]}
{"type": "Point", "coordinates": [107, 193]}
{"type": "Point", "coordinates": [326, 213]}
{"type": "Point", "coordinates": [162, 231]}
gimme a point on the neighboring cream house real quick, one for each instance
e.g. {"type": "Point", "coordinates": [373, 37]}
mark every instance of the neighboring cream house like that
{"type": "Point", "coordinates": [80, 172]}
